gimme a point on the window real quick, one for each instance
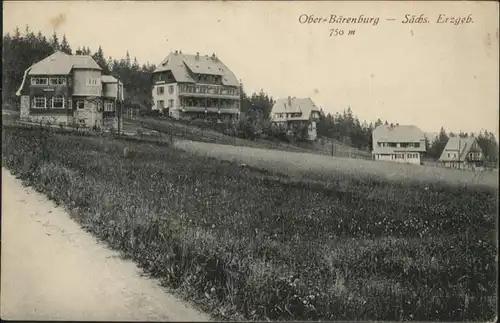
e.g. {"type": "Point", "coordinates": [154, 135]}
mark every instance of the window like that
{"type": "Point", "coordinates": [170, 89]}
{"type": "Point", "coordinates": [39, 102]}
{"type": "Point", "coordinates": [92, 81]}
{"type": "Point", "coordinates": [392, 144]}
{"type": "Point", "coordinates": [80, 105]}
{"type": "Point", "coordinates": [160, 90]}
{"type": "Point", "coordinates": [170, 103]}
{"type": "Point", "coordinates": [109, 107]}
{"type": "Point", "coordinates": [58, 80]}
{"type": "Point", "coordinates": [37, 80]}
{"type": "Point", "coordinates": [160, 77]}
{"type": "Point", "coordinates": [160, 104]}
{"type": "Point", "coordinates": [416, 144]}
{"type": "Point", "coordinates": [58, 102]}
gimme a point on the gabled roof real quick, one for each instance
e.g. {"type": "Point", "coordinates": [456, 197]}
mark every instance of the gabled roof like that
{"type": "Point", "coordinates": [293, 105]}
{"type": "Point", "coordinates": [402, 133]}
{"type": "Point", "coordinates": [458, 148]}
{"type": "Point", "coordinates": [58, 63]}
{"type": "Point", "coordinates": [61, 63]}
{"type": "Point", "coordinates": [183, 65]}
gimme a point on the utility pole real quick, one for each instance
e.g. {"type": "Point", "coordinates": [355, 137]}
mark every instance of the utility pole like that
{"type": "Point", "coordinates": [118, 105]}
{"type": "Point", "coordinates": [459, 152]}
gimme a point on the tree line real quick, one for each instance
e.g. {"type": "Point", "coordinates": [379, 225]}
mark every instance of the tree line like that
{"type": "Point", "coordinates": [485, 139]}
{"type": "Point", "coordinates": [21, 50]}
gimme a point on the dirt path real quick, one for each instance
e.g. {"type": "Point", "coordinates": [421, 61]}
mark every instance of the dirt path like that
{"type": "Point", "coordinates": [53, 270]}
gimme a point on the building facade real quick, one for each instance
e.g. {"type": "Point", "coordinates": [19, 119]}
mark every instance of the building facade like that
{"type": "Point", "coordinates": [400, 144]}
{"type": "Point", "coordinates": [293, 113]}
{"type": "Point", "coordinates": [195, 87]}
{"type": "Point", "coordinates": [69, 89]}
{"type": "Point", "coordinates": [462, 153]}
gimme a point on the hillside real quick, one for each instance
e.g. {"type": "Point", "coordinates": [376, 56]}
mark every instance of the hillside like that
{"type": "Point", "coordinates": [324, 146]}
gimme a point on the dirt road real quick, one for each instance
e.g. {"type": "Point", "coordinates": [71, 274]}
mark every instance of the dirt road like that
{"type": "Point", "coordinates": [53, 270]}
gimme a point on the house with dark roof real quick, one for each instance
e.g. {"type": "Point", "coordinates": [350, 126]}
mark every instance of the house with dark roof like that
{"type": "Point", "coordinates": [400, 144]}
{"type": "Point", "coordinates": [69, 89]}
{"type": "Point", "coordinates": [462, 153]}
{"type": "Point", "coordinates": [292, 113]}
{"type": "Point", "coordinates": [195, 87]}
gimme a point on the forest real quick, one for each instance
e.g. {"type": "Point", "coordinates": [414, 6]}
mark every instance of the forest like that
{"type": "Point", "coordinates": [21, 49]}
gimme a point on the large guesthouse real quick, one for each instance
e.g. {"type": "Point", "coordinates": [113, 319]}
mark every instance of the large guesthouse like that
{"type": "Point", "coordinates": [195, 87]}
{"type": "Point", "coordinates": [69, 89]}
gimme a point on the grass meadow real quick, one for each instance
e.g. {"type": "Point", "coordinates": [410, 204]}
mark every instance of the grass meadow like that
{"type": "Point", "coordinates": [256, 244]}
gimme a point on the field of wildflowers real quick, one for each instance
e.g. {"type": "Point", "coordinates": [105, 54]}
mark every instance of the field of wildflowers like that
{"type": "Point", "coordinates": [246, 243]}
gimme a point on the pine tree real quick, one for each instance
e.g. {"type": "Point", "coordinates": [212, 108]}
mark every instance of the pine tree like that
{"type": "Point", "coordinates": [55, 42]}
{"type": "Point", "coordinates": [98, 56]}
{"type": "Point", "coordinates": [17, 34]}
{"type": "Point", "coordinates": [438, 145]}
{"type": "Point", "coordinates": [65, 48]}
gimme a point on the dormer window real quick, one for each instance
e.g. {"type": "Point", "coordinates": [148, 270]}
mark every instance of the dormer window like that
{"type": "Point", "coordinates": [58, 80]}
{"type": "Point", "coordinates": [37, 80]}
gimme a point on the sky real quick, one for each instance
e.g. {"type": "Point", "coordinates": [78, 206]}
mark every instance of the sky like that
{"type": "Point", "coordinates": [426, 74]}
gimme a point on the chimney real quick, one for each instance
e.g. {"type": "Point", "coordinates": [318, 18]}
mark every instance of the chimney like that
{"type": "Point", "coordinates": [176, 52]}
{"type": "Point", "coordinates": [289, 101]}
{"type": "Point", "coordinates": [213, 56]}
{"type": "Point", "coordinates": [180, 52]}
{"type": "Point", "coordinates": [197, 55]}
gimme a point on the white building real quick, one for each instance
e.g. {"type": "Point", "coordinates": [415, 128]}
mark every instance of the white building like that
{"type": "Point", "coordinates": [400, 144]}
{"type": "Point", "coordinates": [462, 153]}
{"type": "Point", "coordinates": [195, 87]}
{"type": "Point", "coordinates": [296, 112]}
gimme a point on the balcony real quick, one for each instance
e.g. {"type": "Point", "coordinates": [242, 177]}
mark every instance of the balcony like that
{"type": "Point", "coordinates": [209, 110]}
{"type": "Point", "coordinates": [209, 91]}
